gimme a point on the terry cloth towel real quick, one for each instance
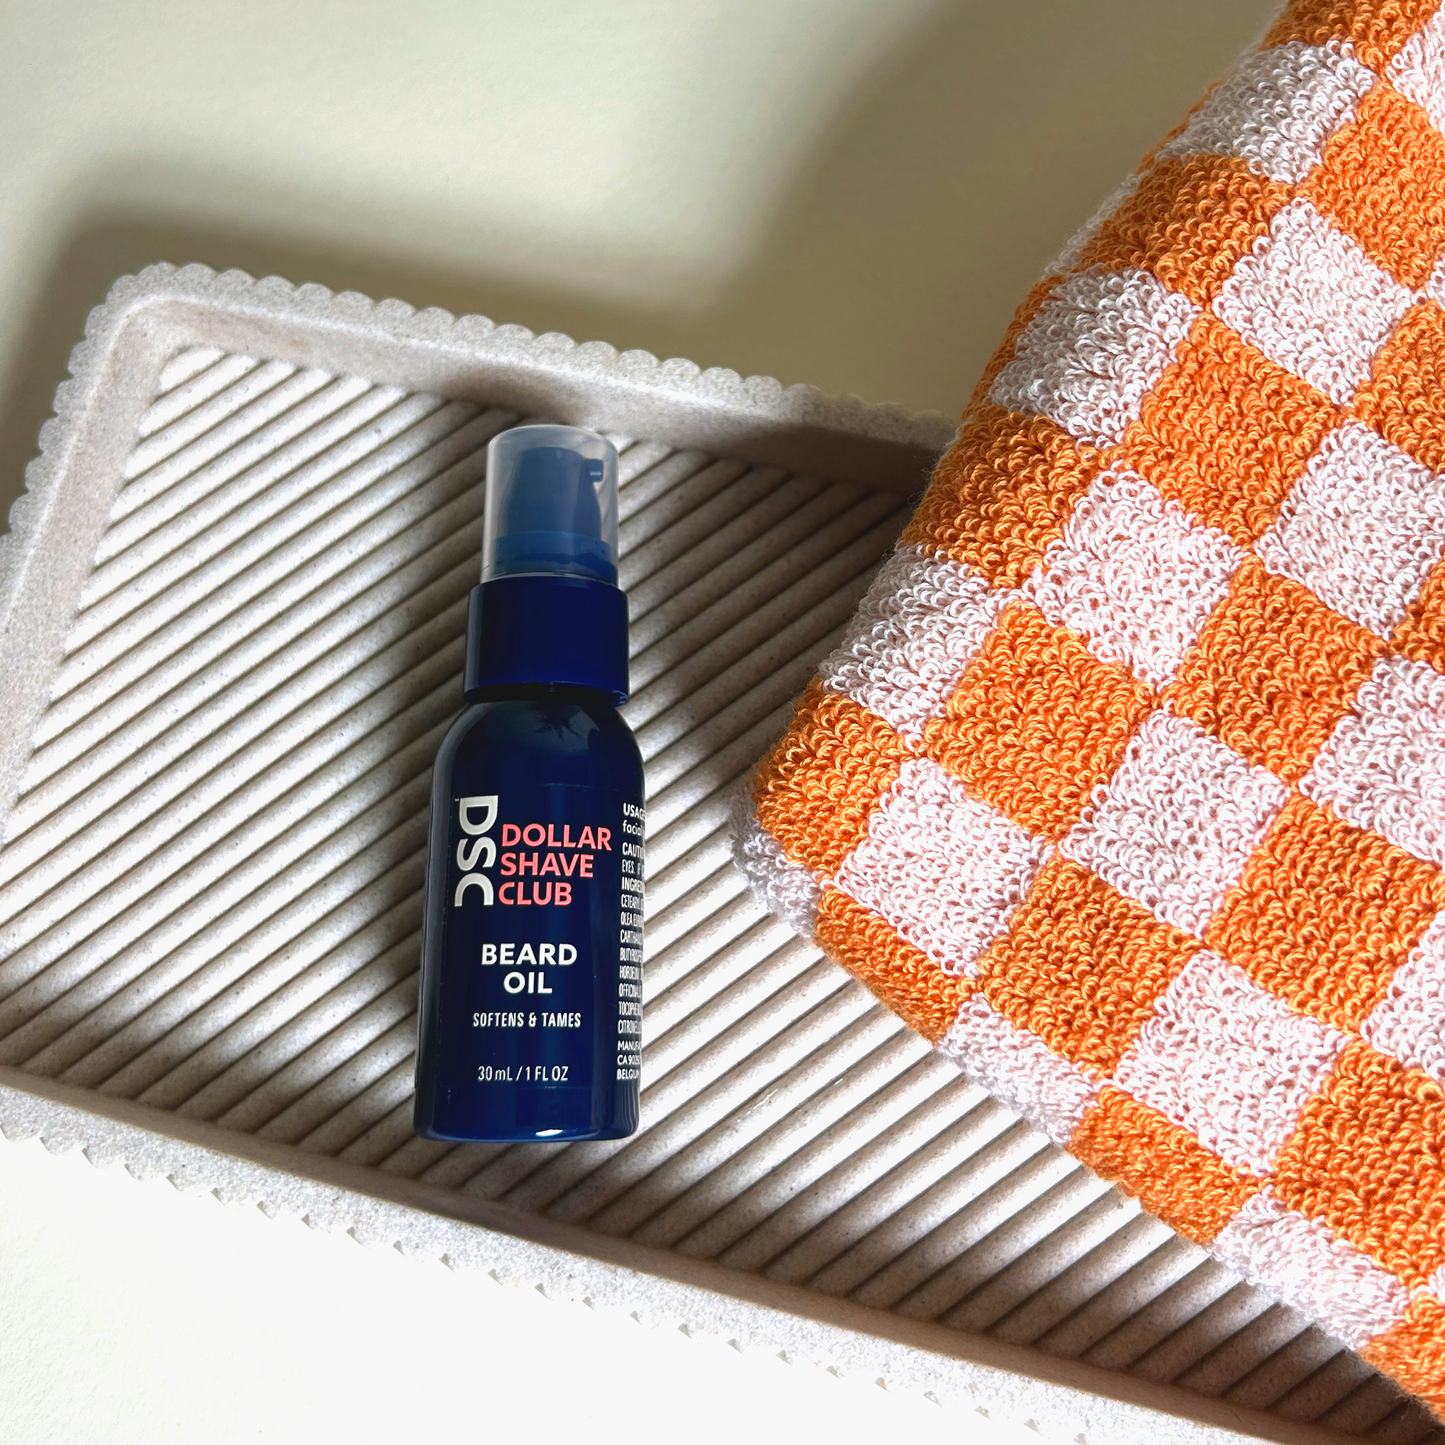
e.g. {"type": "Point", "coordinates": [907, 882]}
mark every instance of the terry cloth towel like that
{"type": "Point", "coordinates": [1127, 784]}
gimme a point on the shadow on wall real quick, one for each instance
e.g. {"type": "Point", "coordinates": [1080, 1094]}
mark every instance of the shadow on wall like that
{"type": "Point", "coordinates": [905, 242]}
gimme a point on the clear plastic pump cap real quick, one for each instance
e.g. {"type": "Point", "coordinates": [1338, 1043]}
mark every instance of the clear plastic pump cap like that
{"type": "Point", "coordinates": [551, 504]}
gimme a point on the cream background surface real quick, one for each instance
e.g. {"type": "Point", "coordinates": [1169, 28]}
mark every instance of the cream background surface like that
{"type": "Point", "coordinates": [854, 193]}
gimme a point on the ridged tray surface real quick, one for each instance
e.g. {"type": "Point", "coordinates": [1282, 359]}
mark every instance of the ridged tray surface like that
{"type": "Point", "coordinates": [210, 883]}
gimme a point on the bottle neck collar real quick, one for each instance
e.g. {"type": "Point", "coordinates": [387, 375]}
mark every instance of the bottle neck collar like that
{"type": "Point", "coordinates": [540, 630]}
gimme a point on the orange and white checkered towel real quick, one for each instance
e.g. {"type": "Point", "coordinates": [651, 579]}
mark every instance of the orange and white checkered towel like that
{"type": "Point", "coordinates": [1127, 784]}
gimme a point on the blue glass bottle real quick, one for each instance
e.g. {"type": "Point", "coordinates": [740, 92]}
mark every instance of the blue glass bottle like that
{"type": "Point", "coordinates": [531, 996]}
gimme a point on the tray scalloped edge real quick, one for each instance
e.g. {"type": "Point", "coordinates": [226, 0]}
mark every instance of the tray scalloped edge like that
{"type": "Point", "coordinates": [718, 388]}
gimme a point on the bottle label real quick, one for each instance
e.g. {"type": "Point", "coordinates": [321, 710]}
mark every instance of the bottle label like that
{"type": "Point", "coordinates": [542, 983]}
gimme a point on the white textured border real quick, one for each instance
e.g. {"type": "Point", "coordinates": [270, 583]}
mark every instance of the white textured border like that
{"type": "Point", "coordinates": [1019, 1069]}
{"type": "Point", "coordinates": [595, 367]}
{"type": "Point", "coordinates": [780, 885]}
{"type": "Point", "coordinates": [1073, 253]}
{"type": "Point", "coordinates": [149, 317]}
{"type": "Point", "coordinates": [1062, 1399]}
{"type": "Point", "coordinates": [1304, 1265]}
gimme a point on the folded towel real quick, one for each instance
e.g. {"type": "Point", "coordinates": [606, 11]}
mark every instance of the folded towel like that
{"type": "Point", "coordinates": [1127, 784]}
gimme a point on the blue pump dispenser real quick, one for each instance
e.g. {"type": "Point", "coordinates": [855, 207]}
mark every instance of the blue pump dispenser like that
{"type": "Point", "coordinates": [548, 610]}
{"type": "Point", "coordinates": [530, 1015]}
{"type": "Point", "coordinates": [551, 504]}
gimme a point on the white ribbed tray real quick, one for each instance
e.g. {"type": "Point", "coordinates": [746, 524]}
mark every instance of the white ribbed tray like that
{"type": "Point", "coordinates": [233, 604]}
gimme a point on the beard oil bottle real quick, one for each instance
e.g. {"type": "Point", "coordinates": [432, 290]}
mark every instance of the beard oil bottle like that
{"type": "Point", "coordinates": [531, 989]}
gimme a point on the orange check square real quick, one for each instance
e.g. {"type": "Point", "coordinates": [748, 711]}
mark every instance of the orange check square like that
{"type": "Point", "coordinates": [1037, 721]}
{"type": "Point", "coordinates": [1081, 966]}
{"type": "Point", "coordinates": [1382, 181]}
{"type": "Point", "coordinates": [1002, 493]}
{"type": "Point", "coordinates": [824, 777]}
{"type": "Point", "coordinates": [1421, 633]}
{"type": "Point", "coordinates": [1163, 1166]}
{"type": "Point", "coordinates": [1189, 220]}
{"type": "Point", "coordinates": [892, 969]}
{"type": "Point", "coordinates": [1325, 913]}
{"type": "Point", "coordinates": [1366, 1157]}
{"type": "Point", "coordinates": [1377, 29]}
{"type": "Point", "coordinates": [1227, 432]}
{"type": "Point", "coordinates": [1273, 671]}
{"type": "Point", "coordinates": [1404, 399]}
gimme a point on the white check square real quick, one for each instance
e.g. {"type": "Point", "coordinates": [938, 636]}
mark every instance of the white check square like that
{"type": "Point", "coordinates": [1309, 298]}
{"type": "Point", "coordinates": [1230, 1062]}
{"type": "Point", "coordinates": [1409, 1022]}
{"type": "Point", "coordinates": [1176, 824]}
{"type": "Point", "coordinates": [1278, 109]}
{"type": "Point", "coordinates": [1093, 351]}
{"type": "Point", "coordinates": [922, 622]}
{"type": "Point", "coordinates": [1134, 575]}
{"type": "Point", "coordinates": [944, 869]}
{"type": "Point", "coordinates": [1361, 528]}
{"type": "Point", "coordinates": [1418, 71]}
{"type": "Point", "coordinates": [1384, 765]}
